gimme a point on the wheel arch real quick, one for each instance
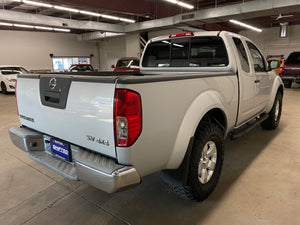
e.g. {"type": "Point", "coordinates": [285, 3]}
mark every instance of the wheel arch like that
{"type": "Point", "coordinates": [277, 87]}
{"type": "Point", "coordinates": [207, 106]}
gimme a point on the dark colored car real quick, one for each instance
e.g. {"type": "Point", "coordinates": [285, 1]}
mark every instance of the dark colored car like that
{"type": "Point", "coordinates": [81, 68]}
{"type": "Point", "coordinates": [127, 64]}
{"type": "Point", "coordinates": [291, 70]}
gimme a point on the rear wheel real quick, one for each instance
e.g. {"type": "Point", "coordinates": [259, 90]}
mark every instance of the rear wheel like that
{"type": "Point", "coordinates": [287, 83]}
{"type": "Point", "coordinates": [206, 160]}
{"type": "Point", "coordinates": [3, 88]}
{"type": "Point", "coordinates": [274, 115]}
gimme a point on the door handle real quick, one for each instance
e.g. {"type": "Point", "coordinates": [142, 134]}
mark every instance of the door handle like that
{"type": "Point", "coordinates": [256, 81]}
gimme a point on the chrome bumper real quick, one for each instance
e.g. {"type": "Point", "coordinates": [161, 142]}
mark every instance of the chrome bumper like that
{"type": "Point", "coordinates": [95, 169]}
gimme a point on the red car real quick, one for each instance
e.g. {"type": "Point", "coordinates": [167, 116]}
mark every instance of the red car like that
{"type": "Point", "coordinates": [291, 70]}
{"type": "Point", "coordinates": [127, 64]}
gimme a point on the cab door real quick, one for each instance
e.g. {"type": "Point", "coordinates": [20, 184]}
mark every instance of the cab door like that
{"type": "Point", "coordinates": [246, 83]}
{"type": "Point", "coordinates": [263, 79]}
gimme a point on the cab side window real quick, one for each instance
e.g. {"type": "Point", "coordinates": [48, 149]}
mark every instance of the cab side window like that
{"type": "Point", "coordinates": [258, 59]}
{"type": "Point", "coordinates": [242, 54]}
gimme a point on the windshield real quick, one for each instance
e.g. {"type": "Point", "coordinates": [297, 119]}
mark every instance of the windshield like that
{"type": "Point", "coordinates": [186, 52]}
{"type": "Point", "coordinates": [127, 63]}
{"type": "Point", "coordinates": [12, 70]}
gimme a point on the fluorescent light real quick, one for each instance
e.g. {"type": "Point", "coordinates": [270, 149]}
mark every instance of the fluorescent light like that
{"type": "Point", "coordinates": [90, 13]}
{"type": "Point", "coordinates": [63, 30]}
{"type": "Point", "coordinates": [43, 28]}
{"type": "Point", "coordinates": [66, 9]}
{"type": "Point", "coordinates": [127, 20]}
{"type": "Point", "coordinates": [23, 26]}
{"type": "Point", "coordinates": [37, 4]}
{"type": "Point", "coordinates": [185, 5]}
{"type": "Point", "coordinates": [110, 17]}
{"type": "Point", "coordinates": [180, 3]}
{"type": "Point", "coordinates": [245, 25]}
{"type": "Point", "coordinates": [6, 24]}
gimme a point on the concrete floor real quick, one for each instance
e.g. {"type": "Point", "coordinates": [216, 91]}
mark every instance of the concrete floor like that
{"type": "Point", "coordinates": [260, 184]}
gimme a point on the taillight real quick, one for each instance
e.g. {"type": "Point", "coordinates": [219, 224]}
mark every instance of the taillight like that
{"type": "Point", "coordinates": [16, 97]}
{"type": "Point", "coordinates": [127, 117]}
{"type": "Point", "coordinates": [181, 34]}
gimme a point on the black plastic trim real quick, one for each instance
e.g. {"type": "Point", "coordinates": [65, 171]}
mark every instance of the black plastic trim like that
{"type": "Point", "coordinates": [163, 78]}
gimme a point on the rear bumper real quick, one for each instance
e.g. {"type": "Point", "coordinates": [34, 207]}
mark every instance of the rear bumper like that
{"type": "Point", "coordinates": [291, 77]}
{"type": "Point", "coordinates": [95, 169]}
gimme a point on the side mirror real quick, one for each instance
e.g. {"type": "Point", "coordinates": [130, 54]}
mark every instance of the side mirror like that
{"type": "Point", "coordinates": [96, 70]}
{"type": "Point", "coordinates": [113, 66]}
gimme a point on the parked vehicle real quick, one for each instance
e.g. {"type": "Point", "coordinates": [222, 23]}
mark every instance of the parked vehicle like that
{"type": "Point", "coordinates": [127, 64]}
{"type": "Point", "coordinates": [82, 68]}
{"type": "Point", "coordinates": [291, 70]}
{"type": "Point", "coordinates": [8, 77]}
{"type": "Point", "coordinates": [112, 129]}
{"type": "Point", "coordinates": [276, 62]}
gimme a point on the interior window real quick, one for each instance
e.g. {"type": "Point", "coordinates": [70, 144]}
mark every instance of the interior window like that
{"type": "Point", "coordinates": [157, 54]}
{"type": "Point", "coordinates": [180, 52]}
{"type": "Point", "coordinates": [258, 60]}
{"type": "Point", "coordinates": [208, 52]}
{"type": "Point", "coordinates": [242, 54]}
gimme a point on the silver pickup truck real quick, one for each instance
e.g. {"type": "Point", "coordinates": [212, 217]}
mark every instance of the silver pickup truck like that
{"type": "Point", "coordinates": [111, 129]}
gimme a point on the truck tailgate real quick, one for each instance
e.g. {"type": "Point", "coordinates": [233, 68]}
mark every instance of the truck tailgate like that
{"type": "Point", "coordinates": [76, 109]}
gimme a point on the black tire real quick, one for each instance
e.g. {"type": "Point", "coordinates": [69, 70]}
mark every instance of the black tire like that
{"type": "Point", "coordinates": [287, 83]}
{"type": "Point", "coordinates": [3, 88]}
{"type": "Point", "coordinates": [206, 134]}
{"type": "Point", "coordinates": [274, 115]}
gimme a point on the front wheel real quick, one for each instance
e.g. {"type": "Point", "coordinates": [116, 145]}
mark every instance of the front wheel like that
{"type": "Point", "coordinates": [206, 160]}
{"type": "Point", "coordinates": [274, 115]}
{"type": "Point", "coordinates": [3, 88]}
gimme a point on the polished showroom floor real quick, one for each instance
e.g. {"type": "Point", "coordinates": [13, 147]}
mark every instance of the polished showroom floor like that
{"type": "Point", "coordinates": [260, 184]}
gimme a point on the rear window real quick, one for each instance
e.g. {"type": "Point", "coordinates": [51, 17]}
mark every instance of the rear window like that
{"type": "Point", "coordinates": [294, 58]}
{"type": "Point", "coordinates": [186, 52]}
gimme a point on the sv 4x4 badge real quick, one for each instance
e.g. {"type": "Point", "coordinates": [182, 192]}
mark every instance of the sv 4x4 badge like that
{"type": "Point", "coordinates": [98, 140]}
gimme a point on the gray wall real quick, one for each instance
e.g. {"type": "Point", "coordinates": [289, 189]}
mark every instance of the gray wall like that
{"type": "Point", "coordinates": [32, 49]}
{"type": "Point", "coordinates": [110, 50]}
{"type": "Point", "coordinates": [270, 43]}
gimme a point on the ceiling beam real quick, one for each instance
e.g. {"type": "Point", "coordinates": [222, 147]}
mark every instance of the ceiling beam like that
{"type": "Point", "coordinates": [244, 10]}
{"type": "Point", "coordinates": [35, 19]}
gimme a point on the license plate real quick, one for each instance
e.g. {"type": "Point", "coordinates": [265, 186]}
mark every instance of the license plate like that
{"type": "Point", "coordinates": [61, 149]}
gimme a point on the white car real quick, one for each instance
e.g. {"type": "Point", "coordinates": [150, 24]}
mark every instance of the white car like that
{"type": "Point", "coordinates": [8, 77]}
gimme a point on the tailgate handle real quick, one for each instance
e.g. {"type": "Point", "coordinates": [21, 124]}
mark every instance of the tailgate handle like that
{"type": "Point", "coordinates": [52, 97]}
{"type": "Point", "coordinates": [256, 81]}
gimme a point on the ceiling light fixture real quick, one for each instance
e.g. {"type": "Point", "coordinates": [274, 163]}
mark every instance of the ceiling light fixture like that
{"type": "Point", "coordinates": [90, 13]}
{"type": "Point", "coordinates": [23, 26]}
{"type": "Point", "coordinates": [180, 3]}
{"type": "Point", "coordinates": [6, 24]}
{"type": "Point", "coordinates": [63, 30]}
{"type": "Point", "coordinates": [43, 28]}
{"type": "Point", "coordinates": [66, 9]}
{"type": "Point", "coordinates": [80, 11]}
{"type": "Point", "coordinates": [110, 17]}
{"type": "Point", "coordinates": [127, 20]}
{"type": "Point", "coordinates": [245, 25]}
{"type": "Point", "coordinates": [37, 4]}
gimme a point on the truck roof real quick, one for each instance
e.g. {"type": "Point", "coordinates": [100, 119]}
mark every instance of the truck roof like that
{"type": "Point", "coordinates": [195, 34]}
